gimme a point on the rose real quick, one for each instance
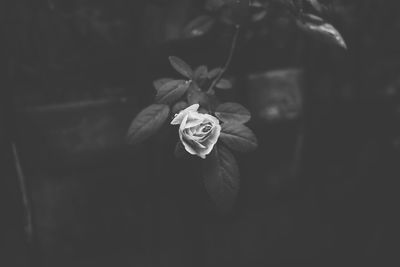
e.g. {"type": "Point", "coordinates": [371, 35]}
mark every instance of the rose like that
{"type": "Point", "coordinates": [198, 132]}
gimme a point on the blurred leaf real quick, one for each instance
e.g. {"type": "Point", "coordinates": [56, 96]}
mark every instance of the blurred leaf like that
{"type": "Point", "coordinates": [221, 178]}
{"type": "Point", "coordinates": [200, 72]}
{"type": "Point", "coordinates": [224, 84]}
{"type": "Point", "coordinates": [290, 4]}
{"type": "Point", "coordinates": [203, 111]}
{"type": "Point", "coordinates": [160, 82]}
{"type": "Point", "coordinates": [181, 105]}
{"type": "Point", "coordinates": [233, 113]}
{"type": "Point", "coordinates": [236, 13]}
{"type": "Point", "coordinates": [147, 123]}
{"type": "Point", "coordinates": [172, 91]}
{"type": "Point", "coordinates": [238, 137]}
{"type": "Point", "coordinates": [241, 9]}
{"type": "Point", "coordinates": [214, 73]}
{"type": "Point", "coordinates": [201, 76]}
{"type": "Point", "coordinates": [313, 19]}
{"type": "Point", "coordinates": [181, 66]}
{"type": "Point", "coordinates": [199, 26]}
{"type": "Point", "coordinates": [315, 4]}
{"type": "Point", "coordinates": [217, 4]}
{"type": "Point", "coordinates": [257, 3]}
{"type": "Point", "coordinates": [196, 96]}
{"type": "Point", "coordinates": [321, 29]}
{"type": "Point", "coordinates": [258, 16]}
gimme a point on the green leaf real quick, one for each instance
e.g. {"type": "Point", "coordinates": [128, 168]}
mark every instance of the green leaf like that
{"type": "Point", "coordinates": [199, 26]}
{"type": "Point", "coordinates": [221, 178]}
{"type": "Point", "coordinates": [224, 84]}
{"type": "Point", "coordinates": [181, 66]}
{"type": "Point", "coordinates": [172, 91]}
{"type": "Point", "coordinates": [160, 82]}
{"type": "Point", "coordinates": [147, 123]}
{"type": "Point", "coordinates": [233, 113]}
{"type": "Point", "coordinates": [238, 137]}
{"type": "Point", "coordinates": [318, 28]}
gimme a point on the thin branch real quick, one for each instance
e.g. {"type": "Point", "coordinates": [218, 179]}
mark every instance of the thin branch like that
{"type": "Point", "coordinates": [228, 61]}
{"type": "Point", "coordinates": [29, 229]}
{"type": "Point", "coordinates": [33, 250]}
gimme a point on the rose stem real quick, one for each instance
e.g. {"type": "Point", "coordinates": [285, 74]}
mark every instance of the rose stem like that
{"type": "Point", "coordinates": [228, 61]}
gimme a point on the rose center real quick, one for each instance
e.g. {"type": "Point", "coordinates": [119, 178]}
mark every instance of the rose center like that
{"type": "Point", "coordinates": [206, 128]}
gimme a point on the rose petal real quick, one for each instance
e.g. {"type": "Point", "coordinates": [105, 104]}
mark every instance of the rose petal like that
{"type": "Point", "coordinates": [197, 132]}
{"type": "Point", "coordinates": [211, 141]}
{"type": "Point", "coordinates": [179, 117]}
{"type": "Point", "coordinates": [200, 145]}
{"type": "Point", "coordinates": [211, 118]}
{"type": "Point", "coordinates": [183, 123]}
{"type": "Point", "coordinates": [196, 138]}
{"type": "Point", "coordinates": [188, 145]}
{"type": "Point", "coordinates": [192, 123]}
{"type": "Point", "coordinates": [193, 120]}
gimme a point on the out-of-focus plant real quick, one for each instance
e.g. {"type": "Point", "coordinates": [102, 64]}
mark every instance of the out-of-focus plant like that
{"type": "Point", "coordinates": [207, 128]}
{"type": "Point", "coordinates": [307, 15]}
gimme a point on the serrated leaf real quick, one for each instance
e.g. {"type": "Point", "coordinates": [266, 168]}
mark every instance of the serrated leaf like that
{"type": "Point", "coordinates": [238, 137]}
{"type": "Point", "coordinates": [213, 73]}
{"type": "Point", "coordinates": [224, 84]}
{"type": "Point", "coordinates": [221, 178]}
{"type": "Point", "coordinates": [232, 113]}
{"type": "Point", "coordinates": [181, 66]}
{"type": "Point", "coordinates": [199, 26]}
{"type": "Point", "coordinates": [147, 123]}
{"type": "Point", "coordinates": [160, 82]}
{"type": "Point", "coordinates": [321, 29]}
{"type": "Point", "coordinates": [172, 91]}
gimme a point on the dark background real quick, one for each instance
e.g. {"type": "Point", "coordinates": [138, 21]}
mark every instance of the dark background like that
{"type": "Point", "coordinates": [319, 191]}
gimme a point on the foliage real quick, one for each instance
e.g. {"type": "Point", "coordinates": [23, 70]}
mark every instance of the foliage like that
{"type": "Point", "coordinates": [239, 12]}
{"type": "Point", "coordinates": [196, 87]}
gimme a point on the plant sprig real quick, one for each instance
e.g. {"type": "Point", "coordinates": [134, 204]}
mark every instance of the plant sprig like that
{"type": "Point", "coordinates": [228, 61]}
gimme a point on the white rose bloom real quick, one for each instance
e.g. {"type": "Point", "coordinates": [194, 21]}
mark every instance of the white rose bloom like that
{"type": "Point", "coordinates": [197, 132]}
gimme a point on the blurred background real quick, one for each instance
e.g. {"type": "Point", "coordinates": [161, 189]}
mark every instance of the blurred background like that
{"type": "Point", "coordinates": [319, 191]}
